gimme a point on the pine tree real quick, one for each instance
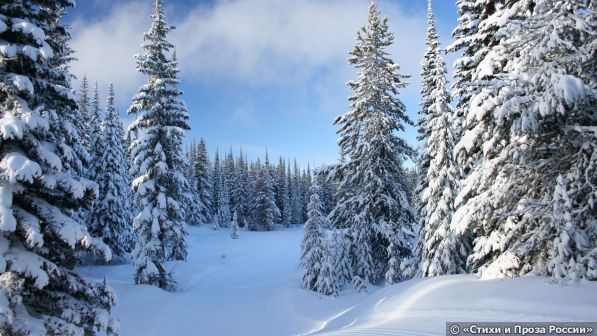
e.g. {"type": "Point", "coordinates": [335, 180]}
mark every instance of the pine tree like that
{"type": "Point", "coordinates": [159, 182]}
{"type": "Point", "coordinates": [280, 184]}
{"type": "Point", "coordinates": [84, 107]}
{"type": "Point", "coordinates": [216, 178]}
{"type": "Point", "coordinates": [327, 193]}
{"type": "Point", "coordinates": [223, 214]}
{"type": "Point", "coordinates": [193, 204]}
{"type": "Point", "coordinates": [229, 176]}
{"type": "Point", "coordinates": [296, 197]}
{"type": "Point", "coordinates": [95, 130]}
{"type": "Point", "coordinates": [375, 207]}
{"type": "Point", "coordinates": [305, 185]}
{"type": "Point", "coordinates": [265, 213]}
{"type": "Point", "coordinates": [553, 86]}
{"type": "Point", "coordinates": [239, 195]}
{"type": "Point", "coordinates": [480, 140]}
{"type": "Point", "coordinates": [42, 183]}
{"type": "Point", "coordinates": [441, 251]}
{"type": "Point", "coordinates": [534, 78]}
{"type": "Point", "coordinates": [317, 264]}
{"type": "Point", "coordinates": [286, 200]}
{"type": "Point", "coordinates": [341, 246]}
{"type": "Point", "coordinates": [203, 186]}
{"type": "Point", "coordinates": [110, 214]}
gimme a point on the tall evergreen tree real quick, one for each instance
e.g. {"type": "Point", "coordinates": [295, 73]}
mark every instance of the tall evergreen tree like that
{"type": "Point", "coordinates": [41, 183]}
{"type": "Point", "coordinates": [296, 197]}
{"type": "Point", "coordinates": [94, 129]}
{"type": "Point", "coordinates": [85, 110]}
{"type": "Point", "coordinates": [216, 177]}
{"type": "Point", "coordinates": [201, 168]}
{"type": "Point", "coordinates": [305, 186]}
{"type": "Point", "coordinates": [229, 176]}
{"type": "Point", "coordinates": [480, 140]}
{"type": "Point", "coordinates": [547, 93]}
{"type": "Point", "coordinates": [265, 213]}
{"type": "Point", "coordinates": [441, 252]}
{"type": "Point", "coordinates": [280, 184]}
{"type": "Point", "coordinates": [159, 182]}
{"type": "Point", "coordinates": [317, 264]}
{"type": "Point", "coordinates": [239, 194]}
{"type": "Point", "coordinates": [223, 214]}
{"type": "Point", "coordinates": [193, 204]}
{"type": "Point", "coordinates": [531, 79]}
{"type": "Point", "coordinates": [110, 216]}
{"type": "Point", "coordinates": [286, 199]}
{"type": "Point", "coordinates": [375, 207]}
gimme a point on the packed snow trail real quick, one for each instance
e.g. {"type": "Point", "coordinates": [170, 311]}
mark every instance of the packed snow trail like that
{"type": "Point", "coordinates": [250, 286]}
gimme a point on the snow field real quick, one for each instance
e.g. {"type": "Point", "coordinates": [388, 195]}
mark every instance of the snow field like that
{"type": "Point", "coordinates": [250, 286]}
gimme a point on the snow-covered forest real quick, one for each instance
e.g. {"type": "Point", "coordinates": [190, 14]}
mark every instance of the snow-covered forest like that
{"type": "Point", "coordinates": [132, 224]}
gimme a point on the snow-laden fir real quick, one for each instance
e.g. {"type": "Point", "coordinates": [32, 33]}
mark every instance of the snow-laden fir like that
{"type": "Point", "coordinates": [158, 162]}
{"type": "Point", "coordinates": [110, 217]}
{"type": "Point", "coordinates": [526, 102]}
{"type": "Point", "coordinates": [42, 185]}
{"type": "Point", "coordinates": [317, 259]}
{"type": "Point", "coordinates": [442, 251]}
{"type": "Point", "coordinates": [373, 203]}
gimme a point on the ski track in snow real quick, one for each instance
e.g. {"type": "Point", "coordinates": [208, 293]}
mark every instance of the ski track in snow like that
{"type": "Point", "coordinates": [250, 286]}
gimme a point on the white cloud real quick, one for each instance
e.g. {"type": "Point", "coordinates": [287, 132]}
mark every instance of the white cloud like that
{"type": "Point", "coordinates": [255, 42]}
{"type": "Point", "coordinates": [105, 48]}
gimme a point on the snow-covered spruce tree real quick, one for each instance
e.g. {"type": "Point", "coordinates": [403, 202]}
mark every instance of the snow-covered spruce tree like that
{"type": "Point", "coordinates": [239, 194]}
{"type": "Point", "coordinates": [201, 168]}
{"type": "Point", "coordinates": [61, 58]}
{"type": "Point", "coordinates": [215, 178]}
{"type": "Point", "coordinates": [109, 219]}
{"type": "Point", "coordinates": [327, 193]}
{"type": "Point", "coordinates": [570, 246]}
{"type": "Point", "coordinates": [317, 263]}
{"type": "Point", "coordinates": [286, 200]}
{"type": "Point", "coordinates": [192, 205]}
{"type": "Point", "coordinates": [547, 94]}
{"type": "Point", "coordinates": [280, 184]}
{"type": "Point", "coordinates": [252, 174]}
{"type": "Point", "coordinates": [85, 108]}
{"type": "Point", "coordinates": [94, 129]}
{"type": "Point", "coordinates": [375, 207]}
{"type": "Point", "coordinates": [481, 141]}
{"type": "Point", "coordinates": [229, 177]}
{"type": "Point", "coordinates": [341, 248]}
{"type": "Point", "coordinates": [223, 213]}
{"type": "Point", "coordinates": [41, 183]}
{"type": "Point", "coordinates": [159, 182]}
{"type": "Point", "coordinates": [305, 186]}
{"type": "Point", "coordinates": [296, 197]}
{"type": "Point", "coordinates": [265, 213]}
{"type": "Point", "coordinates": [423, 158]}
{"type": "Point", "coordinates": [441, 250]}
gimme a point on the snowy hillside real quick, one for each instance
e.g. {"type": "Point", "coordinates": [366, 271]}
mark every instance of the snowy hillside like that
{"type": "Point", "coordinates": [250, 286]}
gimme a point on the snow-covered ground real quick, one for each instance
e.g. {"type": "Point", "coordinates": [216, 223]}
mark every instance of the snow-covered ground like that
{"type": "Point", "coordinates": [250, 286]}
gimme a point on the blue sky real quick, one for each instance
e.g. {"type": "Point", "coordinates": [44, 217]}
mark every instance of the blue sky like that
{"type": "Point", "coordinates": [255, 73]}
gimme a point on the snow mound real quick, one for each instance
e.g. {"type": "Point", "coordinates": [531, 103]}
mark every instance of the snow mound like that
{"type": "Point", "coordinates": [423, 306]}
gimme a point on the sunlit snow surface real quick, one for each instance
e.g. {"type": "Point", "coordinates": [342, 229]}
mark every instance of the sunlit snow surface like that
{"type": "Point", "coordinates": [250, 286]}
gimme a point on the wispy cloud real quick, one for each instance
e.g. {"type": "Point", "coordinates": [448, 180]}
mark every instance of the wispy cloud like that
{"type": "Point", "coordinates": [105, 47]}
{"type": "Point", "coordinates": [255, 42]}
